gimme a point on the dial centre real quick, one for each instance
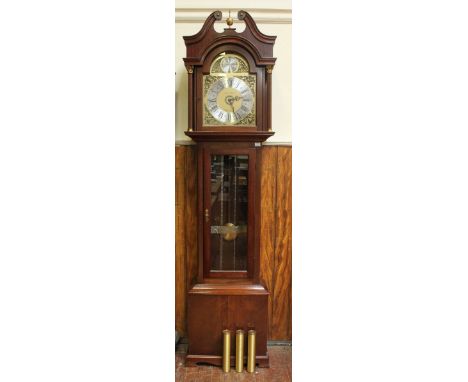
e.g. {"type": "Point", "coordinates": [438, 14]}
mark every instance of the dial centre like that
{"type": "Point", "coordinates": [229, 99]}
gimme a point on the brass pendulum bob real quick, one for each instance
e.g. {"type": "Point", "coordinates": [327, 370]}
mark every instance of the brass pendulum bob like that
{"type": "Point", "coordinates": [251, 351]}
{"type": "Point", "coordinates": [226, 350]}
{"type": "Point", "coordinates": [239, 350]}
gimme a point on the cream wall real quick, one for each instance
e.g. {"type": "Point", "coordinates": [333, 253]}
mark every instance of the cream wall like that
{"type": "Point", "coordinates": [272, 18]}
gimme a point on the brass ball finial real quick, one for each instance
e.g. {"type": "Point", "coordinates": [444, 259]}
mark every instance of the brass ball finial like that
{"type": "Point", "coordinates": [229, 20]}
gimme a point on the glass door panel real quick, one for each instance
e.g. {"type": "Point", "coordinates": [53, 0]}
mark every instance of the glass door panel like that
{"type": "Point", "coordinates": [229, 213]}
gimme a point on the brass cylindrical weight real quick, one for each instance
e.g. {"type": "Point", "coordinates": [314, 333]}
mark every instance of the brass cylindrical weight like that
{"type": "Point", "coordinates": [239, 350]}
{"type": "Point", "coordinates": [226, 350]}
{"type": "Point", "coordinates": [251, 351]}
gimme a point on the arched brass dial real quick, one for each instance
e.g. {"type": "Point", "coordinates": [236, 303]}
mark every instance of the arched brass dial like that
{"type": "Point", "coordinates": [229, 92]}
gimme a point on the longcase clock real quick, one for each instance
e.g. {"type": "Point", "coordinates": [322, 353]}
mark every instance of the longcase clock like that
{"type": "Point", "coordinates": [229, 117]}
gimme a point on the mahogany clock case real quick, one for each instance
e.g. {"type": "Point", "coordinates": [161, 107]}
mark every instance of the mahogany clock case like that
{"type": "Point", "coordinates": [227, 293]}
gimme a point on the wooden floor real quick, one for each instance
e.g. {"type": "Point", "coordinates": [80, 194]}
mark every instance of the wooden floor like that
{"type": "Point", "coordinates": [279, 370]}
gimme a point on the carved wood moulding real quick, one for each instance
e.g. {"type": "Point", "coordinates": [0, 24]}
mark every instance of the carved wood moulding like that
{"type": "Point", "coordinates": [259, 44]}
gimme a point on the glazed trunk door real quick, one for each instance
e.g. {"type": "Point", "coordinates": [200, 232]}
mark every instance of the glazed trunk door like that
{"type": "Point", "coordinates": [228, 213]}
